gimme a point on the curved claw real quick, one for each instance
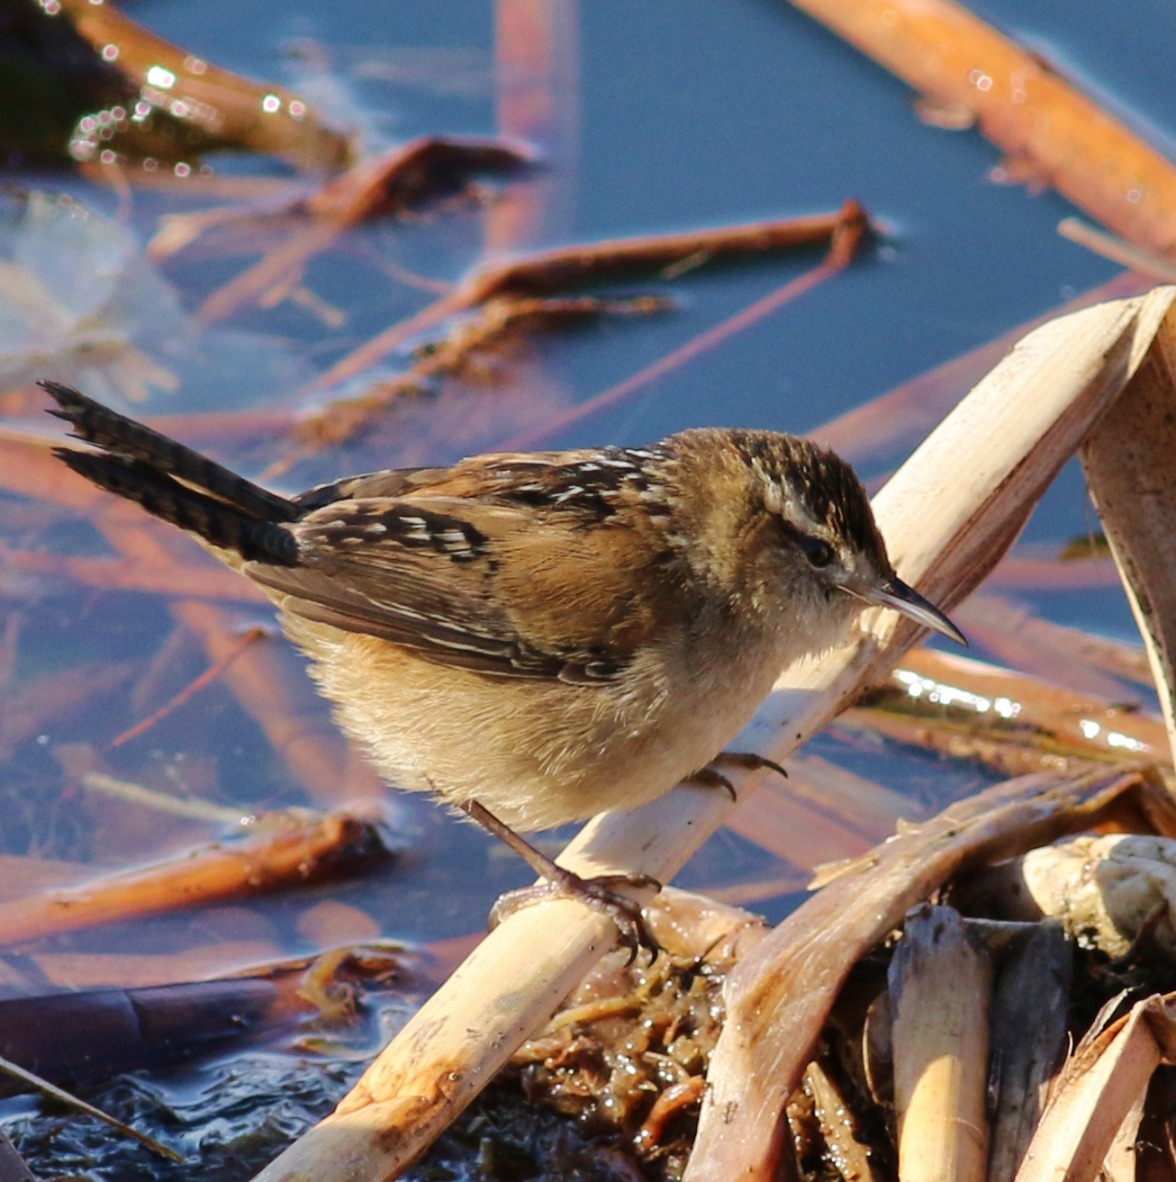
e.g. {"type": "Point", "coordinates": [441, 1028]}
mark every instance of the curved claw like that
{"type": "Point", "coordinates": [600, 894]}
{"type": "Point", "coordinates": [749, 760]}
{"type": "Point", "coordinates": [711, 777]}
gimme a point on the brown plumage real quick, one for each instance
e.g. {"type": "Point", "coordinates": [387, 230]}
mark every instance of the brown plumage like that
{"type": "Point", "coordinates": [547, 635]}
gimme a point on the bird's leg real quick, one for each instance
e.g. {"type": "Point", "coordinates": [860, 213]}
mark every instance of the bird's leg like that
{"type": "Point", "coordinates": [599, 893]}
{"type": "Point", "coordinates": [711, 777]}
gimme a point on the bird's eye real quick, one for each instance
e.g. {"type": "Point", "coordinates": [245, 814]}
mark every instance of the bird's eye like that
{"type": "Point", "coordinates": [817, 551]}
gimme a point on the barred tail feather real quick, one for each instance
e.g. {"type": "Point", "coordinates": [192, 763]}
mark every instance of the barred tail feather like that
{"type": "Point", "coordinates": [111, 432]}
{"type": "Point", "coordinates": [174, 483]}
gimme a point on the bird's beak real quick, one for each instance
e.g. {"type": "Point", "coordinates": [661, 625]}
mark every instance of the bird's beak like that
{"type": "Point", "coordinates": [894, 593]}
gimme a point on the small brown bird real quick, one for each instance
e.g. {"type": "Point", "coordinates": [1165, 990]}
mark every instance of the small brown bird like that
{"type": "Point", "coordinates": [538, 638]}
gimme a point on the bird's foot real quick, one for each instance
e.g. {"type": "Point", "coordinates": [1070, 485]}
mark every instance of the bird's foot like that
{"type": "Point", "coordinates": [749, 760]}
{"type": "Point", "coordinates": [711, 777]}
{"type": "Point", "coordinates": [599, 893]}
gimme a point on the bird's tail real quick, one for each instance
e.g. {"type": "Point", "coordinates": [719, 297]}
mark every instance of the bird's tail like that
{"type": "Point", "coordinates": [174, 482]}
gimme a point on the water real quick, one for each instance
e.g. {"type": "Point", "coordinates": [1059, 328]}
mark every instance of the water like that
{"type": "Point", "coordinates": [659, 116]}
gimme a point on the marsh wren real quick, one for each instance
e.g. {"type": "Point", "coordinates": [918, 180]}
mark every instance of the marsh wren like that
{"type": "Point", "coordinates": [538, 638]}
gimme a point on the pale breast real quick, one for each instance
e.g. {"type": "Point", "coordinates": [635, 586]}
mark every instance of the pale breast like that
{"type": "Point", "coordinates": [545, 752]}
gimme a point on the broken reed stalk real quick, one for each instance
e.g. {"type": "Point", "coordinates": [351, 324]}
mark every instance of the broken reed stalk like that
{"type": "Point", "coordinates": [1049, 131]}
{"type": "Point", "coordinates": [940, 988]}
{"type": "Point", "coordinates": [1030, 1038]}
{"type": "Point", "coordinates": [1098, 1090]}
{"type": "Point", "coordinates": [1108, 246]}
{"type": "Point", "coordinates": [1132, 480]}
{"type": "Point", "coordinates": [572, 266]}
{"type": "Point", "coordinates": [948, 516]}
{"type": "Point", "coordinates": [291, 850]}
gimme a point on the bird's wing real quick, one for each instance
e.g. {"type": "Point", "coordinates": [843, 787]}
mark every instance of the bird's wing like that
{"type": "Point", "coordinates": [478, 584]}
